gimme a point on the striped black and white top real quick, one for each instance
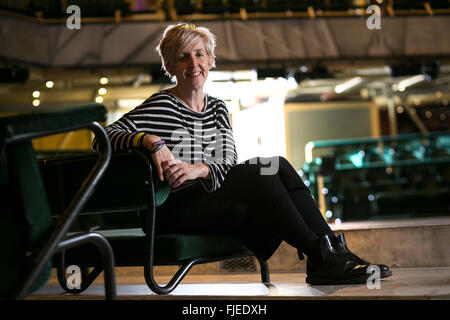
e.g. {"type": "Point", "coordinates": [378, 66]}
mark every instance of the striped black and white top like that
{"type": "Point", "coordinates": [193, 137]}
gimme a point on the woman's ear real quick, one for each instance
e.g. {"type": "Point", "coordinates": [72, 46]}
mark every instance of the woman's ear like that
{"type": "Point", "coordinates": [211, 62]}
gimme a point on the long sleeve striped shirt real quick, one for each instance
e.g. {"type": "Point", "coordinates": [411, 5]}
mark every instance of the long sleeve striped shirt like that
{"type": "Point", "coordinates": [193, 137]}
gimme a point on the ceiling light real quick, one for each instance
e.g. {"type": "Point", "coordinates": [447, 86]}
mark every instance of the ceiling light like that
{"type": "Point", "coordinates": [49, 84]}
{"type": "Point", "coordinates": [347, 85]}
{"type": "Point", "coordinates": [402, 85]}
{"type": "Point", "coordinates": [36, 102]}
{"type": "Point", "coordinates": [104, 80]}
{"type": "Point", "coordinates": [102, 91]}
{"type": "Point", "coordinates": [99, 99]}
{"type": "Point", "coordinates": [36, 94]}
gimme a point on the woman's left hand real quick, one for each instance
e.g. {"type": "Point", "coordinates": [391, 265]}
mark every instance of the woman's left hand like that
{"type": "Point", "coordinates": [176, 172]}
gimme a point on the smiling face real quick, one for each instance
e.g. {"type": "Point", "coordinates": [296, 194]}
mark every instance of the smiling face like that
{"type": "Point", "coordinates": [192, 65]}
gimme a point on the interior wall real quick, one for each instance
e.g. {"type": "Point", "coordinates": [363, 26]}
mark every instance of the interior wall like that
{"type": "Point", "coordinates": [77, 140]}
{"type": "Point", "coordinates": [307, 122]}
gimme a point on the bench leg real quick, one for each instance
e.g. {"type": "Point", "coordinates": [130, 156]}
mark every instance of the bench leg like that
{"type": "Point", "coordinates": [173, 283]}
{"type": "Point", "coordinates": [107, 259]}
{"type": "Point", "coordinates": [86, 277]}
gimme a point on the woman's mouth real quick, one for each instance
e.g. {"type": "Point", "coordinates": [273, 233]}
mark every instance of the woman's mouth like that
{"type": "Point", "coordinates": [194, 74]}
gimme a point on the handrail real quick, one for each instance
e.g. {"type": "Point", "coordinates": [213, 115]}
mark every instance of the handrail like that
{"type": "Point", "coordinates": [403, 137]}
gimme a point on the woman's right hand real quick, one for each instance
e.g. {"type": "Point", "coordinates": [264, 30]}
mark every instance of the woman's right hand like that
{"type": "Point", "coordinates": [160, 156]}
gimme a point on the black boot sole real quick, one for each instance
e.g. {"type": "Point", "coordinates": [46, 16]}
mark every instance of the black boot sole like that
{"type": "Point", "coordinates": [316, 281]}
{"type": "Point", "coordinates": [385, 274]}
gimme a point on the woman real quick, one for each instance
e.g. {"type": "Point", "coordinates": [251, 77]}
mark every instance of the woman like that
{"type": "Point", "coordinates": [191, 143]}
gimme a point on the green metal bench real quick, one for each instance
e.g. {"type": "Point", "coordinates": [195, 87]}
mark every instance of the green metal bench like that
{"type": "Point", "coordinates": [28, 240]}
{"type": "Point", "coordinates": [127, 192]}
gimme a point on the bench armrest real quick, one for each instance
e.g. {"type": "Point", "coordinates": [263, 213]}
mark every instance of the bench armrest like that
{"type": "Point", "coordinates": [124, 186]}
{"type": "Point", "coordinates": [38, 124]}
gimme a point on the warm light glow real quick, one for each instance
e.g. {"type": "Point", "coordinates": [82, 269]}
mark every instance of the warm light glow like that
{"type": "Point", "coordinates": [104, 80]}
{"type": "Point", "coordinates": [259, 130]}
{"type": "Point", "coordinates": [49, 84]}
{"type": "Point", "coordinates": [102, 91]}
{"type": "Point", "coordinates": [36, 94]}
{"type": "Point", "coordinates": [347, 85]}
{"type": "Point", "coordinates": [308, 151]}
{"type": "Point", "coordinates": [129, 103]}
{"type": "Point", "coordinates": [99, 99]}
{"type": "Point", "coordinates": [402, 85]}
{"type": "Point", "coordinates": [36, 102]}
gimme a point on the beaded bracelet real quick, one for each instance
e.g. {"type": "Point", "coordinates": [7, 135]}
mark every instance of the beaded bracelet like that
{"type": "Point", "coordinates": [157, 146]}
{"type": "Point", "coordinates": [157, 143]}
{"type": "Point", "coordinates": [156, 149]}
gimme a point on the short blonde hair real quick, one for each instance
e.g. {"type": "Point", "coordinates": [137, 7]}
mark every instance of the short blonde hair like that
{"type": "Point", "coordinates": [178, 37]}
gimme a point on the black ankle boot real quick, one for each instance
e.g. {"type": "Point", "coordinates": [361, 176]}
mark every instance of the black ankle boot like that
{"type": "Point", "coordinates": [342, 248]}
{"type": "Point", "coordinates": [335, 268]}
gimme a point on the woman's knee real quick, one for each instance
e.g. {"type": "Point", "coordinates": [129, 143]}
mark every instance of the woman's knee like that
{"type": "Point", "coordinates": [252, 176]}
{"type": "Point", "coordinates": [269, 166]}
{"type": "Point", "coordinates": [282, 169]}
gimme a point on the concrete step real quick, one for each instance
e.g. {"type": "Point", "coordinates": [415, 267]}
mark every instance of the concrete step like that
{"type": "Point", "coordinates": [408, 243]}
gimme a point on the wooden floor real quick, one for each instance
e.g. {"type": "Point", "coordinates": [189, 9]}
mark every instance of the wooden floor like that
{"type": "Point", "coordinates": [405, 283]}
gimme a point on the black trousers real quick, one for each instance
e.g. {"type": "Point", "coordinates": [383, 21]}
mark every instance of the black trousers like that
{"type": "Point", "coordinates": [261, 202]}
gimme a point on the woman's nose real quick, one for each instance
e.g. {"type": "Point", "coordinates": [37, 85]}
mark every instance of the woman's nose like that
{"type": "Point", "coordinates": [192, 61]}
